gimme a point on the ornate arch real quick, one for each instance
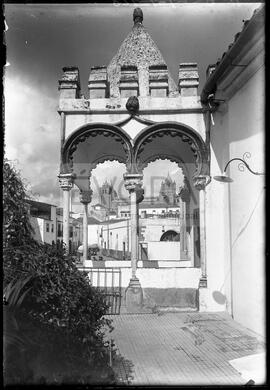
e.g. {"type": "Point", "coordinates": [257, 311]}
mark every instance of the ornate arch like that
{"type": "Point", "coordinates": [187, 136]}
{"type": "Point", "coordinates": [93, 144]}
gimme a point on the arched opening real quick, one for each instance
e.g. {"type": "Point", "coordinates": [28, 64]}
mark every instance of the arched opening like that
{"type": "Point", "coordinates": [184, 146]}
{"type": "Point", "coordinates": [170, 235]}
{"type": "Point", "coordinates": [83, 150]}
{"type": "Point", "coordinates": [91, 145]}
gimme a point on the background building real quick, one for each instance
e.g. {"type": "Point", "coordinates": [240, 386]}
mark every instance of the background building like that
{"type": "Point", "coordinates": [47, 222]}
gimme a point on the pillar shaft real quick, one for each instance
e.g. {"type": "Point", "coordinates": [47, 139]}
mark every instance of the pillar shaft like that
{"type": "Point", "coordinates": [200, 183]}
{"type": "Point", "coordinates": [85, 231]}
{"type": "Point", "coordinates": [66, 183]}
{"type": "Point", "coordinates": [85, 199]}
{"type": "Point", "coordinates": [133, 183]}
{"type": "Point", "coordinates": [66, 211]}
{"type": "Point", "coordinates": [134, 292]}
{"type": "Point", "coordinates": [134, 229]}
{"type": "Point", "coordinates": [202, 233]}
{"type": "Point", "coordinates": [184, 198]}
{"type": "Point", "coordinates": [183, 232]}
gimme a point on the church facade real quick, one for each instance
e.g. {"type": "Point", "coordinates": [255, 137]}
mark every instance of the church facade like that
{"type": "Point", "coordinates": [166, 203]}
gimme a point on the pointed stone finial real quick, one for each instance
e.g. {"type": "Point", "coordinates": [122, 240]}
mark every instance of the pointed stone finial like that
{"type": "Point", "coordinates": [137, 15]}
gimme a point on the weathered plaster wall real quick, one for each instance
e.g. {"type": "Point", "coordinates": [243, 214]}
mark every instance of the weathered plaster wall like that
{"type": "Point", "coordinates": [235, 217]}
{"type": "Point", "coordinates": [246, 133]}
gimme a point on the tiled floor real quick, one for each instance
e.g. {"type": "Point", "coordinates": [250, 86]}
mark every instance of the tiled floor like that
{"type": "Point", "coordinates": [180, 348]}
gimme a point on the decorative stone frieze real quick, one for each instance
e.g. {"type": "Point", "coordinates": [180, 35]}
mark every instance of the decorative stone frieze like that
{"type": "Point", "coordinates": [158, 81]}
{"type": "Point", "coordinates": [66, 181]}
{"type": "Point", "coordinates": [97, 83]}
{"type": "Point", "coordinates": [200, 182]}
{"type": "Point", "coordinates": [188, 79]}
{"type": "Point", "coordinates": [69, 84]}
{"type": "Point", "coordinates": [74, 105]}
{"type": "Point", "coordinates": [86, 196]}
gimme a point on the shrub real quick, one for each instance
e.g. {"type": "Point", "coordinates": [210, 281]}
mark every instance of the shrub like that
{"type": "Point", "coordinates": [56, 297]}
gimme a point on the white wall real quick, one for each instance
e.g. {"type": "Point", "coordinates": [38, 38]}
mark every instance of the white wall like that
{"type": "Point", "coordinates": [49, 236]}
{"type": "Point", "coordinates": [152, 229]}
{"type": "Point", "coordinates": [160, 278]}
{"type": "Point", "coordinates": [235, 213]}
{"type": "Point", "coordinates": [164, 250]}
{"type": "Point", "coordinates": [246, 133]}
{"type": "Point", "coordinates": [37, 225]}
{"type": "Point", "coordinates": [118, 233]}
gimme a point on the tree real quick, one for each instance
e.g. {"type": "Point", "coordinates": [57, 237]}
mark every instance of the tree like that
{"type": "Point", "coordinates": [47, 290]}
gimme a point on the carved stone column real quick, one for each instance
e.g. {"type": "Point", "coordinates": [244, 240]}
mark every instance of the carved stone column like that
{"type": "Point", "coordinates": [133, 183]}
{"type": "Point", "coordinates": [85, 199]}
{"type": "Point", "coordinates": [66, 183]}
{"type": "Point", "coordinates": [184, 199]}
{"type": "Point", "coordinates": [200, 182]}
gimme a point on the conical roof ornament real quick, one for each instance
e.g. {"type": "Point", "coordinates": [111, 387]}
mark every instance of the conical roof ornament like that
{"type": "Point", "coordinates": [137, 16]}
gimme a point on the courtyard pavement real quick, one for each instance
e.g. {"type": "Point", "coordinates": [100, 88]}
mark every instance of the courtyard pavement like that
{"type": "Point", "coordinates": [185, 349]}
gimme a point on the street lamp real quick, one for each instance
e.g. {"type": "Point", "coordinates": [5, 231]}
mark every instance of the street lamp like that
{"type": "Point", "coordinates": [224, 178]}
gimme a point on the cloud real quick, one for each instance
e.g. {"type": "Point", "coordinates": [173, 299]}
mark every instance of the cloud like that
{"type": "Point", "coordinates": [32, 134]}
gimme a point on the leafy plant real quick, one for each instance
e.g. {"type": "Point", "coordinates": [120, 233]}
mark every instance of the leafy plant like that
{"type": "Point", "coordinates": [40, 281]}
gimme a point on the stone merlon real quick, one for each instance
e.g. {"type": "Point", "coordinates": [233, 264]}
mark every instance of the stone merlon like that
{"type": "Point", "coordinates": [69, 84]}
{"type": "Point", "coordinates": [97, 83]}
{"type": "Point", "coordinates": [188, 79]}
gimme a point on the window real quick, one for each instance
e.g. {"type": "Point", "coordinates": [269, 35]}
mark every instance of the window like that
{"type": "Point", "coordinates": [47, 227]}
{"type": "Point", "coordinates": [52, 228]}
{"type": "Point", "coordinates": [59, 230]}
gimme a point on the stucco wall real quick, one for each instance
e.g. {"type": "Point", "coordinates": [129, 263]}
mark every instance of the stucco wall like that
{"type": "Point", "coordinates": [237, 209]}
{"type": "Point", "coordinates": [246, 133]}
{"type": "Point", "coordinates": [163, 250]}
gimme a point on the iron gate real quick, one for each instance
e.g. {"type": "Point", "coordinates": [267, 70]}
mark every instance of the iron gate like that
{"type": "Point", "coordinates": [108, 281]}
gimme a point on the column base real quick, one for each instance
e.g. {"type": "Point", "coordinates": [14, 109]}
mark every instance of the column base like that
{"type": "Point", "coordinates": [134, 296]}
{"type": "Point", "coordinates": [203, 282]}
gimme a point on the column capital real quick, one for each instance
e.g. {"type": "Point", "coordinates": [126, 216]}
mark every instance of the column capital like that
{"type": "Point", "coordinates": [133, 182]}
{"type": "Point", "coordinates": [66, 181]}
{"type": "Point", "coordinates": [86, 196]}
{"type": "Point", "coordinates": [201, 181]}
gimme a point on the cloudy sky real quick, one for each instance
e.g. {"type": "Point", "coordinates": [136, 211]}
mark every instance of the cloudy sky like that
{"type": "Point", "coordinates": [42, 38]}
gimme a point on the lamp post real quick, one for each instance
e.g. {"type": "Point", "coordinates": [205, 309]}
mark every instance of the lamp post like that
{"type": "Point", "coordinates": [224, 178]}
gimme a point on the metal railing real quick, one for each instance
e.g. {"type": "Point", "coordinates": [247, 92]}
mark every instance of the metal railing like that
{"type": "Point", "coordinates": [108, 282]}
